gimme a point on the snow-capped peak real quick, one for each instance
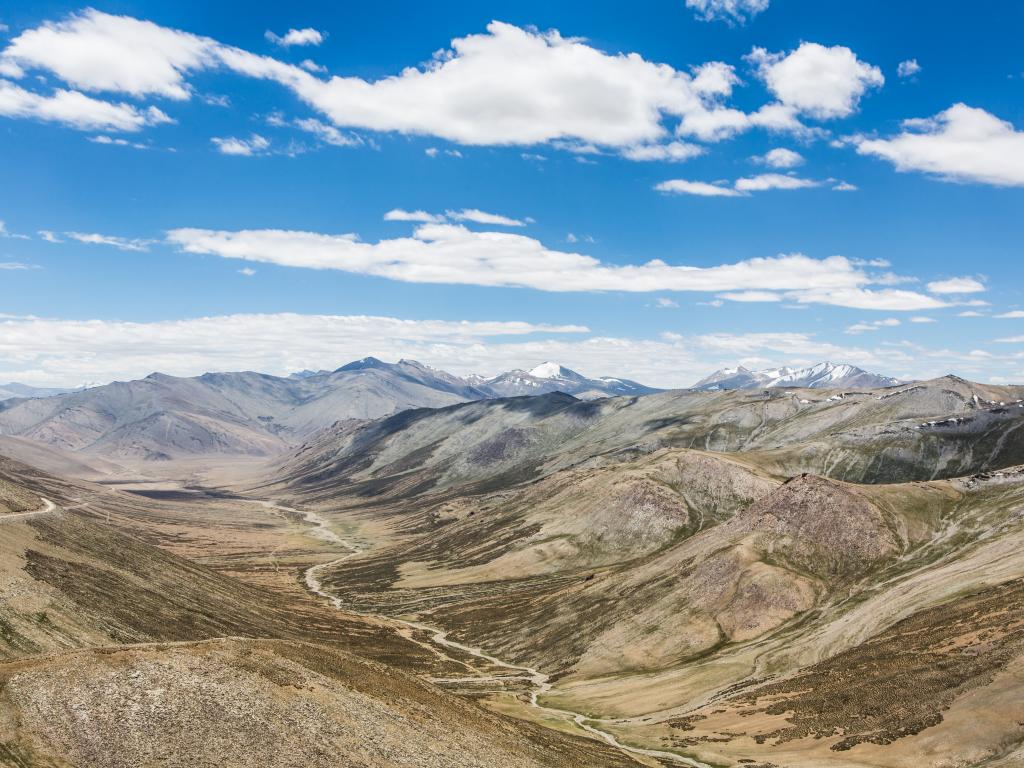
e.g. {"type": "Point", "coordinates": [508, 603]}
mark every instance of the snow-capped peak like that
{"type": "Point", "coordinates": [549, 370]}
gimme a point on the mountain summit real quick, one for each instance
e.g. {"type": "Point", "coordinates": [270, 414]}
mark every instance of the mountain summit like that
{"type": "Point", "coordinates": [553, 377]}
{"type": "Point", "coordinates": [825, 375]}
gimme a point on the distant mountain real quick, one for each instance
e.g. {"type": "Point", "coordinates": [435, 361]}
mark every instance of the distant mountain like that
{"type": "Point", "coordinates": [821, 376]}
{"type": "Point", "coordinates": [8, 391]}
{"type": "Point", "coordinates": [552, 377]}
{"type": "Point", "coordinates": [161, 416]}
{"type": "Point", "coordinates": [245, 413]}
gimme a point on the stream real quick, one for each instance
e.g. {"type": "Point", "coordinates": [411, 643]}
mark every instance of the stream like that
{"type": "Point", "coordinates": [541, 681]}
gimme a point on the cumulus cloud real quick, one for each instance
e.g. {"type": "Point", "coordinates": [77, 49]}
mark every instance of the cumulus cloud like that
{"type": "Point", "coordinates": [780, 158]}
{"type": "Point", "coordinates": [956, 285]}
{"type": "Point", "coordinates": [818, 81]}
{"type": "Point", "coordinates": [121, 243]}
{"type": "Point", "coordinates": [963, 144]}
{"type": "Point", "coordinates": [254, 145]}
{"type": "Point", "coordinates": [452, 254]}
{"type": "Point", "coordinates": [307, 36]}
{"type": "Point", "coordinates": [908, 68]}
{"type": "Point", "coordinates": [507, 86]}
{"type": "Point", "coordinates": [96, 51]}
{"type": "Point", "coordinates": [732, 11]}
{"type": "Point", "coordinates": [1012, 315]}
{"type": "Point", "coordinates": [76, 110]}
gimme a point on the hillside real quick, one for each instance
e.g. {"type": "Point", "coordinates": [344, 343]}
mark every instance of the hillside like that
{"type": "Point", "coordinates": [661, 556]}
{"type": "Point", "coordinates": [95, 623]}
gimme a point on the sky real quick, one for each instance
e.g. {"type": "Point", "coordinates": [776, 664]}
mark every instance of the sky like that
{"type": "Point", "coordinates": [651, 190]}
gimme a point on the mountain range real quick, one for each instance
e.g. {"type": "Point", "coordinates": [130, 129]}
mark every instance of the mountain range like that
{"type": "Point", "coordinates": [747, 577]}
{"type": "Point", "coordinates": [13, 389]}
{"type": "Point", "coordinates": [162, 417]}
{"type": "Point", "coordinates": [246, 413]}
{"type": "Point", "coordinates": [821, 376]}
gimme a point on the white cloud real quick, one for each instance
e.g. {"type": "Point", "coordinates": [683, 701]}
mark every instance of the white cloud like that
{"type": "Point", "coordinates": [676, 151]}
{"type": "Point", "coordinates": [970, 313]}
{"type": "Point", "coordinates": [844, 186]}
{"type": "Point", "coordinates": [664, 303]}
{"type": "Point", "coordinates": [482, 217]}
{"type": "Point", "coordinates": [118, 142]}
{"type": "Point", "coordinates": [701, 188]}
{"type": "Point", "coordinates": [908, 68]}
{"type": "Point", "coordinates": [121, 243]}
{"type": "Point", "coordinates": [48, 236]}
{"type": "Point", "coordinates": [766, 181]}
{"type": "Point", "coordinates": [453, 254]}
{"type": "Point", "coordinates": [307, 36]}
{"type": "Point", "coordinates": [1015, 314]}
{"type": "Point", "coordinates": [874, 325]}
{"type": "Point", "coordinates": [962, 144]}
{"type": "Point", "coordinates": [922, 319]}
{"type": "Point", "coordinates": [6, 233]}
{"type": "Point", "coordinates": [16, 266]}
{"type": "Point", "coordinates": [817, 81]}
{"type": "Point", "coordinates": [397, 214]}
{"type": "Point", "coordinates": [780, 158]}
{"type": "Point", "coordinates": [956, 285]}
{"type": "Point", "coordinates": [740, 188]}
{"type": "Point", "coordinates": [231, 145]}
{"type": "Point", "coordinates": [75, 110]}
{"type": "Point", "coordinates": [68, 352]}
{"type": "Point", "coordinates": [751, 296]}
{"type": "Point", "coordinates": [311, 66]}
{"type": "Point", "coordinates": [72, 351]}
{"type": "Point", "coordinates": [508, 86]}
{"type": "Point", "coordinates": [326, 133]}
{"type": "Point", "coordinates": [727, 10]}
{"type": "Point", "coordinates": [247, 271]}
{"type": "Point", "coordinates": [96, 51]}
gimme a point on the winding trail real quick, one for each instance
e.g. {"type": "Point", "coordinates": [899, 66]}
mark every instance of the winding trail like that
{"type": "Point", "coordinates": [541, 682]}
{"type": "Point", "coordinates": [48, 506]}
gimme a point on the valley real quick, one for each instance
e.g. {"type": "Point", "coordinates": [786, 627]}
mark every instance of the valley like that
{"type": "Point", "coordinates": [682, 578]}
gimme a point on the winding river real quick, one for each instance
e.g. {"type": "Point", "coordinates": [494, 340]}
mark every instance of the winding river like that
{"type": "Point", "coordinates": [540, 681]}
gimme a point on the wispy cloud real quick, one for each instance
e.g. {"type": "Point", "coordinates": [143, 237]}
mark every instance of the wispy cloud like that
{"type": "Point", "coordinates": [121, 243]}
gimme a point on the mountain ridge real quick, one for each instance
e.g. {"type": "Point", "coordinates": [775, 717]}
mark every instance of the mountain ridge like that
{"type": "Point", "coordinates": [824, 375]}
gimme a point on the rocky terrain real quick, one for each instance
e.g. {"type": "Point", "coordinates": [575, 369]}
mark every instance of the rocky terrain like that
{"type": "Point", "coordinates": [661, 556]}
{"type": "Point", "coordinates": [712, 578]}
{"type": "Point", "coordinates": [116, 651]}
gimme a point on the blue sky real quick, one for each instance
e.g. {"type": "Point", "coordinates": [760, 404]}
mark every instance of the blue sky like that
{"type": "Point", "coordinates": [651, 192]}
